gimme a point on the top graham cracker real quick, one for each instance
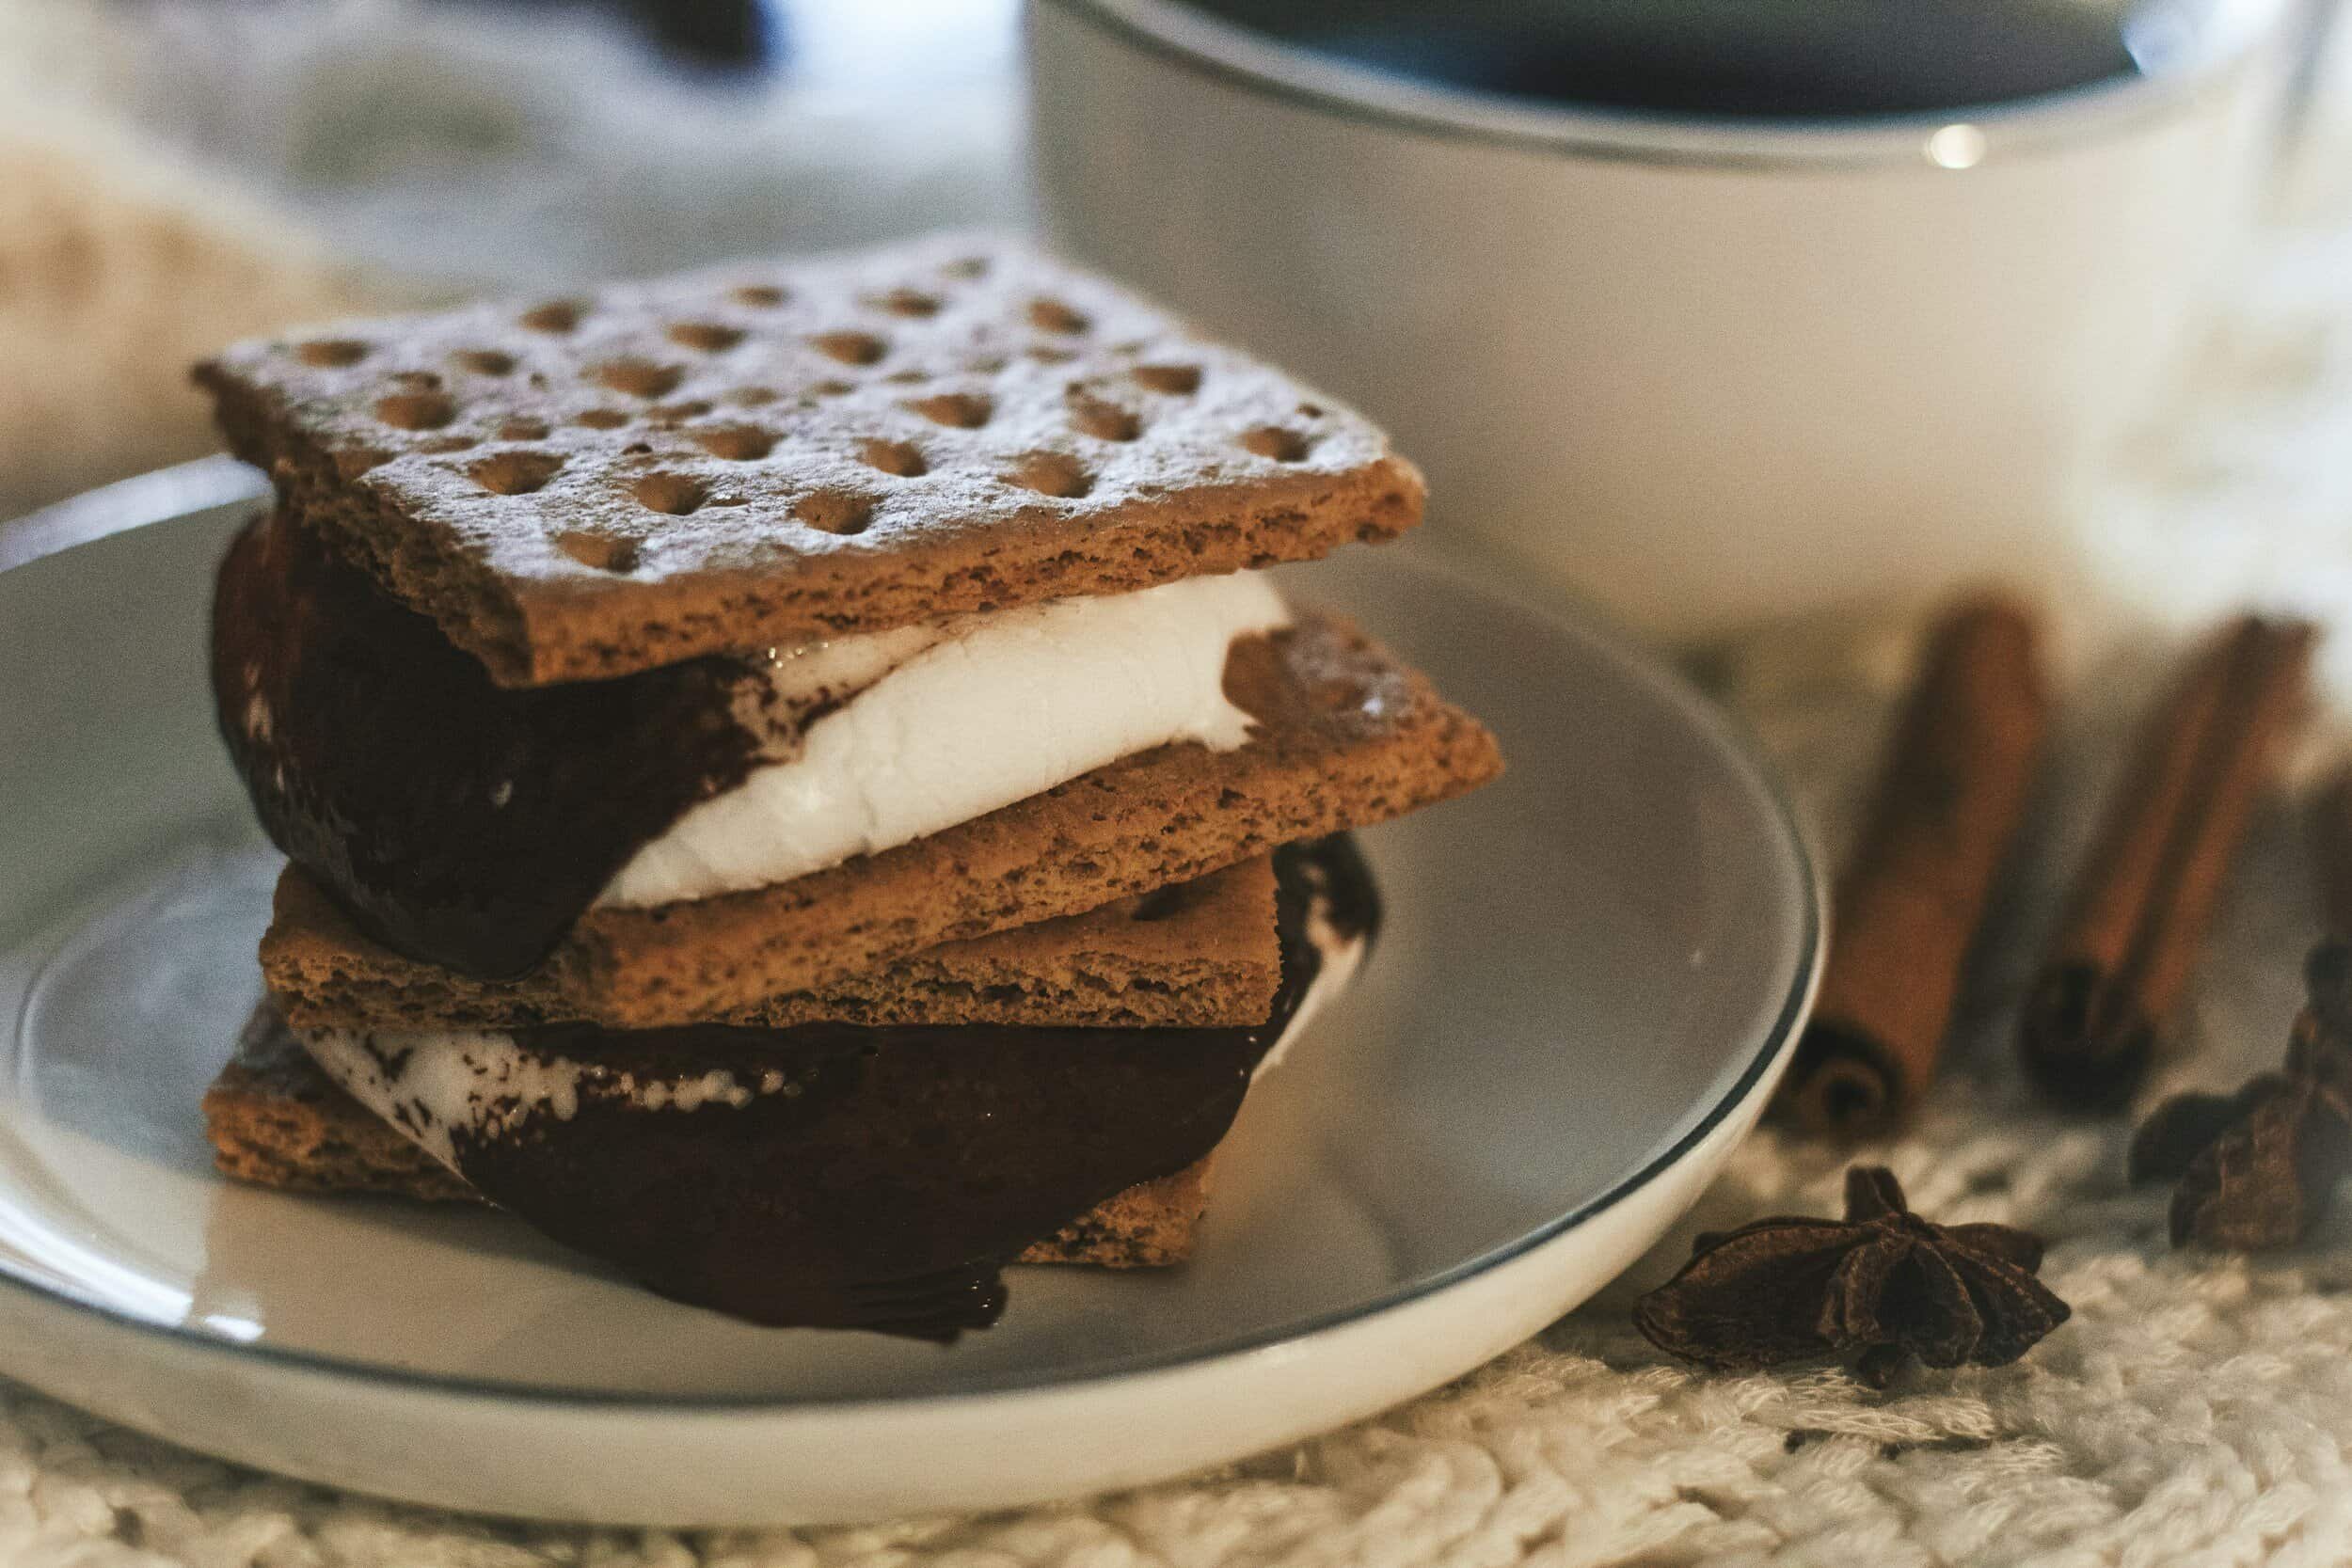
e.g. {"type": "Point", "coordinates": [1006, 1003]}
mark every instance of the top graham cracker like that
{"type": "Point", "coordinates": [768, 453]}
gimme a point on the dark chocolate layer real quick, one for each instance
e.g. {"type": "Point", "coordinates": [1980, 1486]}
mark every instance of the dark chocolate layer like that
{"type": "Point", "coordinates": [457, 821]}
{"type": "Point", "coordinates": [882, 1178]}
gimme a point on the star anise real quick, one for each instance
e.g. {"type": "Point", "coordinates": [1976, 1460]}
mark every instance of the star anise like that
{"type": "Point", "coordinates": [2259, 1167]}
{"type": "Point", "coordinates": [1880, 1286]}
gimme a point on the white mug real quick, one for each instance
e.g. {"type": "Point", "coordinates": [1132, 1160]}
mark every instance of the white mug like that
{"type": "Point", "coordinates": [1703, 371]}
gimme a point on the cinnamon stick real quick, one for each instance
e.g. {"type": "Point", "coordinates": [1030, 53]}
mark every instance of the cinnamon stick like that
{"type": "Point", "coordinates": [2334, 844]}
{"type": "Point", "coordinates": [2147, 893]}
{"type": "Point", "coordinates": [1950, 794]}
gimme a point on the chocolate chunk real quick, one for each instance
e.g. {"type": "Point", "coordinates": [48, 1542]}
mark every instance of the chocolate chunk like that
{"type": "Point", "coordinates": [455, 820]}
{"type": "Point", "coordinates": [877, 1177]}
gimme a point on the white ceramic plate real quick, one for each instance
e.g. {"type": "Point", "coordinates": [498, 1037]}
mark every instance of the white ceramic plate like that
{"type": "Point", "coordinates": [1590, 980]}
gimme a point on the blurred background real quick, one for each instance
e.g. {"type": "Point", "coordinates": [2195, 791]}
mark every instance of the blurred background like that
{"type": "Point", "coordinates": [177, 173]}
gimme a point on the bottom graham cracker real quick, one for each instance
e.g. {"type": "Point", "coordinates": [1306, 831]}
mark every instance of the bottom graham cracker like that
{"type": "Point", "coordinates": [275, 1119]}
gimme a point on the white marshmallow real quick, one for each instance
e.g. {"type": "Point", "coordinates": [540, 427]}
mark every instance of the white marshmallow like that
{"type": "Point", "coordinates": [956, 721]}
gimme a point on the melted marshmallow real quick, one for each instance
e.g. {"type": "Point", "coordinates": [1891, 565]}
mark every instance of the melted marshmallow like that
{"type": "Point", "coordinates": [943, 725]}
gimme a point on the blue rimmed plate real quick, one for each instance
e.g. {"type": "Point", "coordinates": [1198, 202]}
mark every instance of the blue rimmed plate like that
{"type": "Point", "coordinates": [1590, 979]}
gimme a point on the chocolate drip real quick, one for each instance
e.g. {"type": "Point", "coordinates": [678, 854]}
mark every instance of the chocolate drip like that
{"type": "Point", "coordinates": [880, 1178]}
{"type": "Point", "coordinates": [455, 820]}
{"type": "Point", "coordinates": [1334, 879]}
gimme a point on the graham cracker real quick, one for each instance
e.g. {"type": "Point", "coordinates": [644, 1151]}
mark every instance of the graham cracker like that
{"type": "Point", "coordinates": [1345, 736]}
{"type": "Point", "coordinates": [1203, 953]}
{"type": "Point", "coordinates": [275, 1119]}
{"type": "Point", "coordinates": [770, 453]}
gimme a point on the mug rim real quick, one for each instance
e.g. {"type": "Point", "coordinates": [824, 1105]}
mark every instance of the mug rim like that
{"type": "Point", "coordinates": [2235, 35]}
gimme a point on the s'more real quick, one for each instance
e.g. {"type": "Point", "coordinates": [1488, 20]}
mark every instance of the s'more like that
{"type": "Point", "coordinates": [794, 779]}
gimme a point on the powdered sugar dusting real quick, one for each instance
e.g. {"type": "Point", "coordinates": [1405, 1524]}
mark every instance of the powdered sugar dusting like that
{"type": "Point", "coordinates": [744, 419]}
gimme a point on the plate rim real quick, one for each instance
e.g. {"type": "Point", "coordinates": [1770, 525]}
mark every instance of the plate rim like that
{"type": "Point", "coordinates": [172, 494]}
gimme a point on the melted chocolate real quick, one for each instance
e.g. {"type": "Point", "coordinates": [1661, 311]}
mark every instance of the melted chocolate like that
{"type": "Point", "coordinates": [882, 1178]}
{"type": "Point", "coordinates": [456, 821]}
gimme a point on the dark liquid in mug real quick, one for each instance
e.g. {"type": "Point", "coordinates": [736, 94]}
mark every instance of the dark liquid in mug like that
{"type": "Point", "coordinates": [1797, 59]}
